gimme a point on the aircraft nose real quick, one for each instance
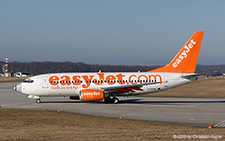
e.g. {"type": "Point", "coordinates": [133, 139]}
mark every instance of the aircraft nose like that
{"type": "Point", "coordinates": [18, 88]}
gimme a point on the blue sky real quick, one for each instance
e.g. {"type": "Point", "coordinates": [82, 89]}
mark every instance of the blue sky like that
{"type": "Point", "coordinates": [116, 32]}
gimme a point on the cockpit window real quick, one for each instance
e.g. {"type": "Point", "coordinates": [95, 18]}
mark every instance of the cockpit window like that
{"type": "Point", "coordinates": [28, 81]}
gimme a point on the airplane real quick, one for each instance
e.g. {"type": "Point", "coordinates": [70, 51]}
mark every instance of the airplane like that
{"type": "Point", "coordinates": [107, 86]}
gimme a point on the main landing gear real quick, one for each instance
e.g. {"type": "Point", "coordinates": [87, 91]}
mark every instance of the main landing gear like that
{"type": "Point", "coordinates": [38, 101]}
{"type": "Point", "coordinates": [112, 100]}
{"type": "Point", "coordinates": [115, 100]}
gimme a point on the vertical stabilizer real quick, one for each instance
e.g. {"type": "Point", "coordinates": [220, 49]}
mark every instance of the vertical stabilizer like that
{"type": "Point", "coordinates": [186, 59]}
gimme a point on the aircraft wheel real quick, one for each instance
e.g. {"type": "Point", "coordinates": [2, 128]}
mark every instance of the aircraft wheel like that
{"type": "Point", "coordinates": [108, 100]}
{"type": "Point", "coordinates": [38, 101]}
{"type": "Point", "coordinates": [116, 100]}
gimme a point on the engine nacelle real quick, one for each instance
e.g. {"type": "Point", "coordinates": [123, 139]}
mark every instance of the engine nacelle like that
{"type": "Point", "coordinates": [91, 95]}
{"type": "Point", "coordinates": [75, 97]}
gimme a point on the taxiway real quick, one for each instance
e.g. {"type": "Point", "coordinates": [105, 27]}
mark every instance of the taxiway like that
{"type": "Point", "coordinates": [198, 112]}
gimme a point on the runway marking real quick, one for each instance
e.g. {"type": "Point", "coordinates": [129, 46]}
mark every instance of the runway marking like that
{"type": "Point", "coordinates": [220, 124]}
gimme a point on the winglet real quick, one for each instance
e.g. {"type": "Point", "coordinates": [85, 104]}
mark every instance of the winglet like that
{"type": "Point", "coordinates": [186, 59]}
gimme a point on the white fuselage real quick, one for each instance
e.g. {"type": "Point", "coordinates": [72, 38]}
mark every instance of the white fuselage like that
{"type": "Point", "coordinates": [70, 84]}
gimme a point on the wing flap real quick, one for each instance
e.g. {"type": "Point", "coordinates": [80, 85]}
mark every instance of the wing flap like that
{"type": "Point", "coordinates": [127, 88]}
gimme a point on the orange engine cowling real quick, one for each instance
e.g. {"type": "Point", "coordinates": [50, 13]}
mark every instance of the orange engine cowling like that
{"type": "Point", "coordinates": [91, 95]}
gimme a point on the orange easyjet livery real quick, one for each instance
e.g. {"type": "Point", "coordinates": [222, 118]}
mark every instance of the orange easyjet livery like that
{"type": "Point", "coordinates": [108, 86]}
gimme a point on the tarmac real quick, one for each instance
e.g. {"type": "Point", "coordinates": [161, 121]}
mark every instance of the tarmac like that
{"type": "Point", "coordinates": [195, 112]}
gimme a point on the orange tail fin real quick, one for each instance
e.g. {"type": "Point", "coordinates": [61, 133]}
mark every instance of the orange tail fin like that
{"type": "Point", "coordinates": [186, 59]}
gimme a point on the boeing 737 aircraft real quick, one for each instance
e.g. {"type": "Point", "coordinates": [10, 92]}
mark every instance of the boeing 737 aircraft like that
{"type": "Point", "coordinates": [108, 86]}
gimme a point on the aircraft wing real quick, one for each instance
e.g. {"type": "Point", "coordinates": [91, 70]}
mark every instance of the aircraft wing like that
{"type": "Point", "coordinates": [122, 89]}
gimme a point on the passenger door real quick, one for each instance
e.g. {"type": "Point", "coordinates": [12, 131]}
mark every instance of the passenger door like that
{"type": "Point", "coordinates": [166, 84]}
{"type": "Point", "coordinates": [44, 82]}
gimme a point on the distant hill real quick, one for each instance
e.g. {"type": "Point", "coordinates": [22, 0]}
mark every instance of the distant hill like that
{"type": "Point", "coordinates": [56, 67]}
{"type": "Point", "coordinates": [211, 68]}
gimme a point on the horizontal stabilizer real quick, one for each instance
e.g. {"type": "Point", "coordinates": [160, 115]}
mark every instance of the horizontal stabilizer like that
{"type": "Point", "coordinates": [197, 74]}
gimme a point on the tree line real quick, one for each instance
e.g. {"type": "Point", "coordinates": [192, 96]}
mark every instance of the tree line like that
{"type": "Point", "coordinates": [57, 67]}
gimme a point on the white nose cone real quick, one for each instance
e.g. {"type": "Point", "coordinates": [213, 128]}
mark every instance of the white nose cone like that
{"type": "Point", "coordinates": [18, 88]}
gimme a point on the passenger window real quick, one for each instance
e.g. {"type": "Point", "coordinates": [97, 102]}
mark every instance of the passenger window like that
{"type": "Point", "coordinates": [28, 81]}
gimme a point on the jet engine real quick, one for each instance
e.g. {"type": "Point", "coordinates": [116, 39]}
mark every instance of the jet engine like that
{"type": "Point", "coordinates": [91, 95]}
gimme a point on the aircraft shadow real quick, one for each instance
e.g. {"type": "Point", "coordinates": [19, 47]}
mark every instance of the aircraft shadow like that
{"type": "Point", "coordinates": [75, 101]}
{"type": "Point", "coordinates": [136, 101]}
{"type": "Point", "coordinates": [140, 101]}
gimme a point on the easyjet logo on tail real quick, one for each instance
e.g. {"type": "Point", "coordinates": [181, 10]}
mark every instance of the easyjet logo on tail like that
{"type": "Point", "coordinates": [184, 53]}
{"type": "Point", "coordinates": [186, 59]}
